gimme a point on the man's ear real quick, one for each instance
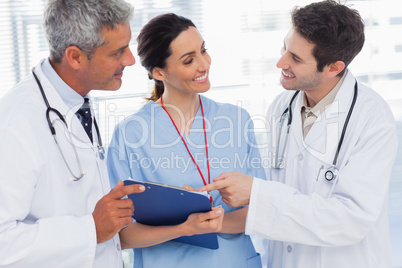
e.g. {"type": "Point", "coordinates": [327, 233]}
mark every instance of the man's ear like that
{"type": "Point", "coordinates": [335, 68]}
{"type": "Point", "coordinates": [75, 57]}
{"type": "Point", "coordinates": [158, 74]}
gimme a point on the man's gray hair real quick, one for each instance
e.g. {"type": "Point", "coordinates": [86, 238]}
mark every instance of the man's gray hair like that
{"type": "Point", "coordinates": [80, 23]}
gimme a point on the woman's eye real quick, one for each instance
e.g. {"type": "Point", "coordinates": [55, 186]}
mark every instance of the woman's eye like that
{"type": "Point", "coordinates": [187, 62]}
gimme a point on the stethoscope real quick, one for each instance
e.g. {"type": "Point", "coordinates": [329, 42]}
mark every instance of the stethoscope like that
{"type": "Point", "coordinates": [53, 131]}
{"type": "Point", "coordinates": [279, 160]}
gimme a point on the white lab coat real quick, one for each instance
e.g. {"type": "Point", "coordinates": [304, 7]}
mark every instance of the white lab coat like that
{"type": "Point", "coordinates": [45, 219]}
{"type": "Point", "coordinates": [315, 223]}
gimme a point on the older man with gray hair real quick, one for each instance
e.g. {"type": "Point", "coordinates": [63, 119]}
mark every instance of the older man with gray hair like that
{"type": "Point", "coordinates": [57, 209]}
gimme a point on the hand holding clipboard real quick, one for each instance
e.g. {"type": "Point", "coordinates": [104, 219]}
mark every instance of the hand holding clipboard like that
{"type": "Point", "coordinates": [166, 205]}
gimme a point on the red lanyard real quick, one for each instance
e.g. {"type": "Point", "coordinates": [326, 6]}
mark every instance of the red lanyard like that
{"type": "Point", "coordinates": [185, 144]}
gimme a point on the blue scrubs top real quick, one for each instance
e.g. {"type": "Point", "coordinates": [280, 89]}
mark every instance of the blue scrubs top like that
{"type": "Point", "coordinates": [147, 147]}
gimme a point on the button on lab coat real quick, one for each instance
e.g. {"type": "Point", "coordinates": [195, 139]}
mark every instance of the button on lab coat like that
{"type": "Point", "coordinates": [45, 219]}
{"type": "Point", "coordinates": [311, 222]}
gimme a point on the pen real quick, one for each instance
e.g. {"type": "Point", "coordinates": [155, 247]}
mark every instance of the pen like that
{"type": "Point", "coordinates": [210, 198]}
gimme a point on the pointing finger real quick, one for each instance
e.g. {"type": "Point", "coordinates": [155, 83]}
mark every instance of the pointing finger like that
{"type": "Point", "coordinates": [121, 191]}
{"type": "Point", "coordinates": [215, 186]}
{"type": "Point", "coordinates": [222, 176]}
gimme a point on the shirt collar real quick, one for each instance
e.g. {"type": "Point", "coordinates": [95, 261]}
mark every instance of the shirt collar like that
{"type": "Point", "coordinates": [320, 107]}
{"type": "Point", "coordinates": [70, 97]}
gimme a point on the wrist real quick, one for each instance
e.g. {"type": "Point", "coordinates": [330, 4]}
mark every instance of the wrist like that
{"type": "Point", "coordinates": [184, 230]}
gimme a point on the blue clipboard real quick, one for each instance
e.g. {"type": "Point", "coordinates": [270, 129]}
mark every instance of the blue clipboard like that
{"type": "Point", "coordinates": [168, 205]}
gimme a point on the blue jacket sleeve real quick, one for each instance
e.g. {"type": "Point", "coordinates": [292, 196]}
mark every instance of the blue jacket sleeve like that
{"type": "Point", "coordinates": [117, 161]}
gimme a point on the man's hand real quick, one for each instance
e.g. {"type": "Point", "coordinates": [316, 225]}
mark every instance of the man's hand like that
{"type": "Point", "coordinates": [234, 187]}
{"type": "Point", "coordinates": [112, 212]}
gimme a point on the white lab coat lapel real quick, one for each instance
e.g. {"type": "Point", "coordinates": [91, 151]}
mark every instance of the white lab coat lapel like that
{"type": "Point", "coordinates": [296, 150]}
{"type": "Point", "coordinates": [296, 134]}
{"type": "Point", "coordinates": [323, 138]}
{"type": "Point", "coordinates": [339, 110]}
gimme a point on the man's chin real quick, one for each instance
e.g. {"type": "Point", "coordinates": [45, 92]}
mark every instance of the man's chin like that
{"type": "Point", "coordinates": [117, 82]}
{"type": "Point", "coordinates": [286, 85]}
{"type": "Point", "coordinates": [116, 86]}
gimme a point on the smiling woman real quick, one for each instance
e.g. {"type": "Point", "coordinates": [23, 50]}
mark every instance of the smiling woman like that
{"type": "Point", "coordinates": [187, 67]}
{"type": "Point", "coordinates": [181, 124]}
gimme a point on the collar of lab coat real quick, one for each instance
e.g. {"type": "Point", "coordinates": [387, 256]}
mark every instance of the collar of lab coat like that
{"type": "Point", "coordinates": [55, 101]}
{"type": "Point", "coordinates": [69, 96]}
{"type": "Point", "coordinates": [324, 135]}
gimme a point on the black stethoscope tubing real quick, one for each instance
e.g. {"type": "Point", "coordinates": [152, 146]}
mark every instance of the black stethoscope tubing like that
{"type": "Point", "coordinates": [53, 132]}
{"type": "Point", "coordinates": [329, 174]}
{"type": "Point", "coordinates": [352, 105]}
{"type": "Point", "coordinates": [51, 109]}
{"type": "Point", "coordinates": [289, 108]}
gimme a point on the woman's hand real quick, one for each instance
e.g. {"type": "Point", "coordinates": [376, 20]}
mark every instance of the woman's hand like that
{"type": "Point", "coordinates": [202, 223]}
{"type": "Point", "coordinates": [189, 188]}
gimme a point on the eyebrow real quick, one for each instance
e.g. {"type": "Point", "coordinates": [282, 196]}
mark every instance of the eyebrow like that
{"type": "Point", "coordinates": [191, 52]}
{"type": "Point", "coordinates": [293, 54]}
{"type": "Point", "coordinates": [119, 49]}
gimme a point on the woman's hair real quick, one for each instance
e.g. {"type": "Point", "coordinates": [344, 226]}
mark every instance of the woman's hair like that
{"type": "Point", "coordinates": [154, 44]}
{"type": "Point", "coordinates": [336, 31]}
{"type": "Point", "coordinates": [80, 23]}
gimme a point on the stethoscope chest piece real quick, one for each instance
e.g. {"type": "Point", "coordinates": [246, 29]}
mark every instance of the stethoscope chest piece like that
{"type": "Point", "coordinates": [331, 173]}
{"type": "Point", "coordinates": [101, 151]}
